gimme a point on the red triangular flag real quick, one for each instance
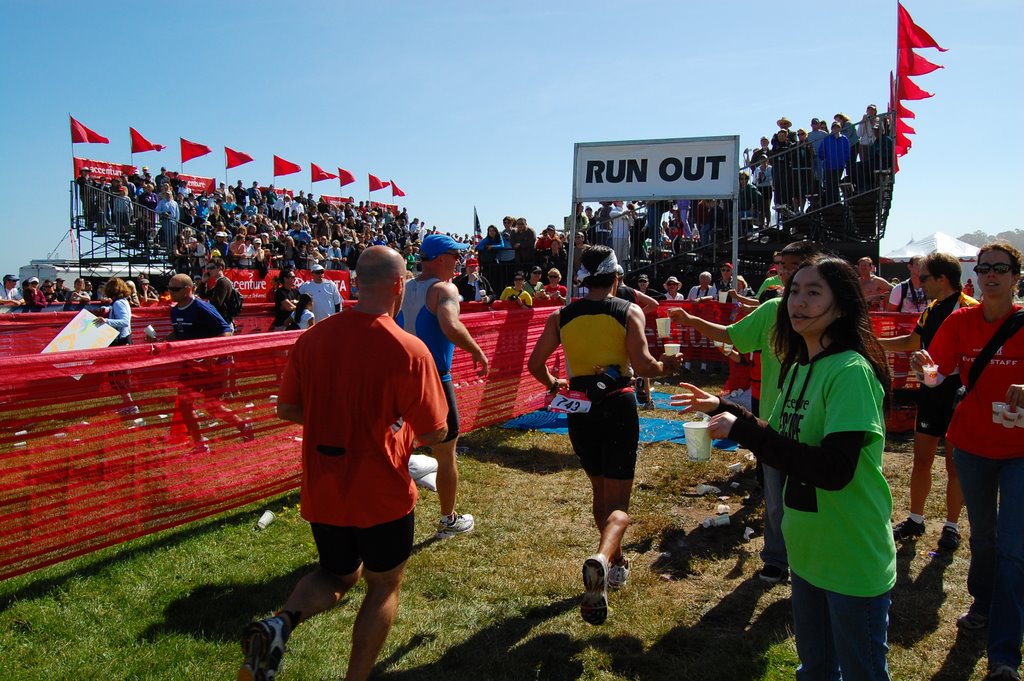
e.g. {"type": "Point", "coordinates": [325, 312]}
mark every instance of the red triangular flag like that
{"type": "Point", "coordinates": [283, 167]}
{"type": "Point", "coordinates": [191, 150]}
{"type": "Point", "coordinates": [902, 140]}
{"type": "Point", "coordinates": [901, 126]}
{"type": "Point", "coordinates": [317, 173]}
{"type": "Point", "coordinates": [81, 134]}
{"type": "Point", "coordinates": [910, 34]}
{"type": "Point", "coordinates": [904, 112]}
{"type": "Point", "coordinates": [908, 89]}
{"type": "Point", "coordinates": [141, 144]}
{"type": "Point", "coordinates": [913, 64]}
{"type": "Point", "coordinates": [235, 158]}
{"type": "Point", "coordinates": [345, 177]}
{"type": "Point", "coordinates": [395, 191]}
{"type": "Point", "coordinates": [376, 183]}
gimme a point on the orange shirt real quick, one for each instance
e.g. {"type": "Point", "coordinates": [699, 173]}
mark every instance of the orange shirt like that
{"type": "Point", "coordinates": [366, 386]}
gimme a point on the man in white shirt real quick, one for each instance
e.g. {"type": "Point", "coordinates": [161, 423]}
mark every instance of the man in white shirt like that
{"type": "Point", "coordinates": [10, 295]}
{"type": "Point", "coordinates": [622, 224]}
{"type": "Point", "coordinates": [325, 294]}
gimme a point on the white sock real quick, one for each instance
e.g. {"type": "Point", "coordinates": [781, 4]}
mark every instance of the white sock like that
{"type": "Point", "coordinates": [916, 518]}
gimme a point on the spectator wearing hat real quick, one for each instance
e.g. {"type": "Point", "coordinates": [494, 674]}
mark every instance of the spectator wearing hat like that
{"type": "Point", "coordinates": [643, 285]}
{"type": "Point", "coordinates": [672, 289]}
{"type": "Point", "coordinates": [11, 296]}
{"type": "Point", "coordinates": [473, 286]}
{"type": "Point", "coordinates": [533, 282]}
{"type": "Point", "coordinates": [621, 226]}
{"type": "Point", "coordinates": [725, 277]}
{"type": "Point", "coordinates": [147, 294]}
{"type": "Point", "coordinates": [35, 300]}
{"type": "Point", "coordinates": [543, 245]}
{"type": "Point", "coordinates": [325, 294]}
{"type": "Point", "coordinates": [430, 311]}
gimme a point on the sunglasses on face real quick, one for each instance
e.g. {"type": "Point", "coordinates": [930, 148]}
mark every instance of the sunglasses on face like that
{"type": "Point", "coordinates": [999, 268]}
{"type": "Point", "coordinates": [175, 289]}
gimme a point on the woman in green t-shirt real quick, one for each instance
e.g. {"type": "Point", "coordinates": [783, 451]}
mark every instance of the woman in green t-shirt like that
{"type": "Point", "coordinates": [826, 433]}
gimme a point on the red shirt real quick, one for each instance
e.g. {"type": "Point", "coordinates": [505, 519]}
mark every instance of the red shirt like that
{"type": "Point", "coordinates": [957, 343]}
{"type": "Point", "coordinates": [555, 290]}
{"type": "Point", "coordinates": [366, 386]}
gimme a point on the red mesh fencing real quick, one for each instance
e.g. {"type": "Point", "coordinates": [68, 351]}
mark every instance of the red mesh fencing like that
{"type": "Point", "coordinates": [80, 470]}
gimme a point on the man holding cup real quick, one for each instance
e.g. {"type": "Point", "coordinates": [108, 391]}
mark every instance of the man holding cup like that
{"type": "Point", "coordinates": [939, 274]}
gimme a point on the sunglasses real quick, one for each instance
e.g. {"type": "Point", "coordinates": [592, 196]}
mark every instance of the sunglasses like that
{"type": "Point", "coordinates": [925, 277]}
{"type": "Point", "coordinates": [175, 289]}
{"type": "Point", "coordinates": [553, 276]}
{"type": "Point", "coordinates": [1000, 268]}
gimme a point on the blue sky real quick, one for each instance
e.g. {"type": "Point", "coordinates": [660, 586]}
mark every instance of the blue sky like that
{"type": "Point", "coordinates": [468, 103]}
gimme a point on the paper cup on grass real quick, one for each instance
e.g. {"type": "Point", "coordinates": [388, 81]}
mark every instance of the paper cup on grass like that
{"type": "Point", "coordinates": [265, 519]}
{"type": "Point", "coordinates": [671, 349]}
{"type": "Point", "coordinates": [664, 327]}
{"type": "Point", "coordinates": [698, 440]}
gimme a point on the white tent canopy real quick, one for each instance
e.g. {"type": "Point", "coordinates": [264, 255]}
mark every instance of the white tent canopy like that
{"type": "Point", "coordinates": [939, 241]}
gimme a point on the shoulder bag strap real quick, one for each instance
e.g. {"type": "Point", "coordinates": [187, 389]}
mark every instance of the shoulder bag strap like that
{"type": "Point", "coordinates": [1009, 327]}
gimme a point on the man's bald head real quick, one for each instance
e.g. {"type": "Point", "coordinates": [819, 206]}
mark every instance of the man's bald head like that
{"type": "Point", "coordinates": [181, 280]}
{"type": "Point", "coordinates": [379, 266]}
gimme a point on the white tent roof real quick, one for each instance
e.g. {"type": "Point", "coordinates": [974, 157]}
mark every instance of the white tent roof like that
{"type": "Point", "coordinates": [937, 242]}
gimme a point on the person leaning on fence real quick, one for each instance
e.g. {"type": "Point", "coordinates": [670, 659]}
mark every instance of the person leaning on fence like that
{"type": "Point", "coordinates": [357, 494]}
{"type": "Point", "coordinates": [989, 456]}
{"type": "Point", "coordinates": [826, 433]}
{"type": "Point", "coordinates": [286, 295]}
{"type": "Point", "coordinates": [939, 274]}
{"type": "Point", "coordinates": [605, 346]}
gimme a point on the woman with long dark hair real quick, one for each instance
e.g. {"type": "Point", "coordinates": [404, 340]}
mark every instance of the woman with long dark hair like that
{"type": "Point", "coordinates": [605, 346]}
{"type": "Point", "coordinates": [826, 433]}
{"type": "Point", "coordinates": [302, 317]}
{"type": "Point", "coordinates": [985, 432]}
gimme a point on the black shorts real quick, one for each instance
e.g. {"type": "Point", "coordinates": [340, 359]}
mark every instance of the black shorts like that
{"type": "Point", "coordinates": [605, 438]}
{"type": "Point", "coordinates": [935, 407]}
{"type": "Point", "coordinates": [379, 548]}
{"type": "Point", "coordinates": [453, 411]}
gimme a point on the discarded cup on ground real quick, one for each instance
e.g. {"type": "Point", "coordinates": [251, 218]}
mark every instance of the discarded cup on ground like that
{"type": "Point", "coordinates": [671, 349]}
{"type": "Point", "coordinates": [748, 532]}
{"type": "Point", "coordinates": [736, 467]}
{"type": "Point", "coordinates": [997, 411]}
{"type": "Point", "coordinates": [931, 375]}
{"type": "Point", "coordinates": [698, 440]}
{"type": "Point", "coordinates": [265, 519]}
{"type": "Point", "coordinates": [717, 521]}
{"type": "Point", "coordinates": [723, 508]}
{"type": "Point", "coordinates": [704, 489]}
{"type": "Point", "coordinates": [664, 327]}
{"type": "Point", "coordinates": [150, 332]}
{"type": "Point", "coordinates": [723, 296]}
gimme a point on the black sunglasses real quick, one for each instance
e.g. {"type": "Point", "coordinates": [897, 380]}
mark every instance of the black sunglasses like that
{"type": "Point", "coordinates": [999, 267]}
{"type": "Point", "coordinates": [175, 289]}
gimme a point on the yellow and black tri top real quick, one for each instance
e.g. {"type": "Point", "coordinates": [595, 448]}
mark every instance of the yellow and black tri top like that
{"type": "Point", "coordinates": [593, 334]}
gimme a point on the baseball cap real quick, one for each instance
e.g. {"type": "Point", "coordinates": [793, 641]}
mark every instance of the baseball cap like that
{"type": "Point", "coordinates": [727, 264]}
{"type": "Point", "coordinates": [316, 268]}
{"type": "Point", "coordinates": [472, 262]}
{"type": "Point", "coordinates": [10, 277]}
{"type": "Point", "coordinates": [536, 270]}
{"type": "Point", "coordinates": [438, 244]}
{"type": "Point", "coordinates": [643, 277]}
{"type": "Point", "coordinates": [32, 280]}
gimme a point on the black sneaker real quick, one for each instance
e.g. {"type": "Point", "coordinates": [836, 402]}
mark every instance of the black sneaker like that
{"type": "Point", "coordinates": [907, 529]}
{"type": "Point", "coordinates": [773, 574]}
{"type": "Point", "coordinates": [949, 540]}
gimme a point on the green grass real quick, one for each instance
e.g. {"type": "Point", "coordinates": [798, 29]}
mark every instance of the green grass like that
{"type": "Point", "coordinates": [500, 603]}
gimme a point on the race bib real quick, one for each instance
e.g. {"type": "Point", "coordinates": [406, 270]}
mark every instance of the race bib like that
{"type": "Point", "coordinates": [571, 402]}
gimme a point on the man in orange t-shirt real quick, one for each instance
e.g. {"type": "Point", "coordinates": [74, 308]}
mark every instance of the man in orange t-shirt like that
{"type": "Point", "coordinates": [359, 420]}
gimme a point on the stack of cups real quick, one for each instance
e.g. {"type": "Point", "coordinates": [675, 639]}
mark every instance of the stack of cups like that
{"type": "Point", "coordinates": [1002, 413]}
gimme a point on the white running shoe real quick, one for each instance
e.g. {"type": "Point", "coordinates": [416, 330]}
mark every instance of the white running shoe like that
{"type": "Point", "coordinates": [594, 606]}
{"type": "Point", "coordinates": [462, 524]}
{"type": "Point", "coordinates": [618, 574]}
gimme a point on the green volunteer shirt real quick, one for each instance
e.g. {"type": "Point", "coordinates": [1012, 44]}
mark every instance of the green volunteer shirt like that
{"type": "Point", "coordinates": [839, 541]}
{"type": "Point", "coordinates": [754, 333]}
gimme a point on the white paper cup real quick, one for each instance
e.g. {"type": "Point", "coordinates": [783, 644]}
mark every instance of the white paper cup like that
{"type": "Point", "coordinates": [150, 332]}
{"type": "Point", "coordinates": [265, 519]}
{"type": "Point", "coordinates": [736, 467]}
{"type": "Point", "coordinates": [705, 489]}
{"type": "Point", "coordinates": [698, 440]}
{"type": "Point", "coordinates": [728, 348]}
{"type": "Point", "coordinates": [720, 521]}
{"type": "Point", "coordinates": [719, 344]}
{"type": "Point", "coordinates": [664, 327]}
{"type": "Point", "coordinates": [723, 296]}
{"type": "Point", "coordinates": [1010, 418]}
{"type": "Point", "coordinates": [931, 375]}
{"type": "Point", "coordinates": [671, 349]}
{"type": "Point", "coordinates": [723, 509]}
{"type": "Point", "coordinates": [997, 411]}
